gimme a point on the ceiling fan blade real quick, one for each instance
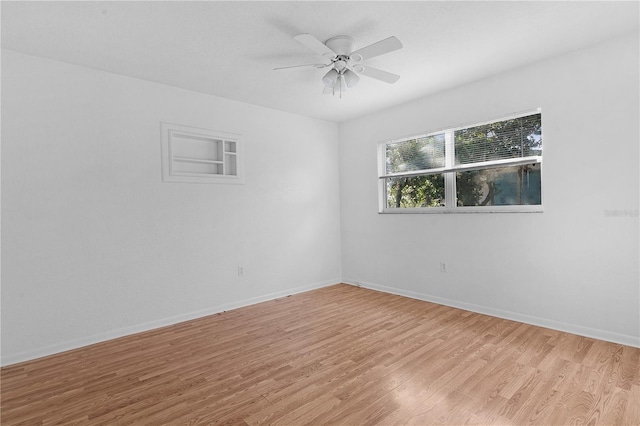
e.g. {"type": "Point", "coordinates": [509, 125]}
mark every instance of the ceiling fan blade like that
{"type": "Point", "coordinates": [385, 76]}
{"type": "Point", "coordinates": [297, 67]}
{"type": "Point", "coordinates": [383, 46]}
{"type": "Point", "coordinates": [314, 44]}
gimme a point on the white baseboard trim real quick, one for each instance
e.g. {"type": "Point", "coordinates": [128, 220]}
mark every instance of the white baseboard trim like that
{"type": "Point", "coordinates": [595, 333]}
{"type": "Point", "coordinates": [150, 325]}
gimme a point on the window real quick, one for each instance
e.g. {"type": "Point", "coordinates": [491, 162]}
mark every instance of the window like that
{"type": "Point", "coordinates": [197, 155]}
{"type": "Point", "coordinates": [492, 166]}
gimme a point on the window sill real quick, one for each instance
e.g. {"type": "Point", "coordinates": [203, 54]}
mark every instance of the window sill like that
{"type": "Point", "coordinates": [470, 209]}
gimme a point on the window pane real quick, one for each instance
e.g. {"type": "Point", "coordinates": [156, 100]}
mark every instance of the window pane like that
{"type": "Point", "coordinates": [415, 154]}
{"type": "Point", "coordinates": [518, 137]}
{"type": "Point", "coordinates": [417, 191]}
{"type": "Point", "coordinates": [505, 186]}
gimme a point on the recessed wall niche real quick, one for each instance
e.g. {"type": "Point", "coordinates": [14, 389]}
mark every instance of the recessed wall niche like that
{"type": "Point", "coordinates": [191, 154]}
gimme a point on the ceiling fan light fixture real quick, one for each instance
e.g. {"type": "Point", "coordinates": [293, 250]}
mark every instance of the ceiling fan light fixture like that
{"type": "Point", "coordinates": [350, 78]}
{"type": "Point", "coordinates": [330, 78]}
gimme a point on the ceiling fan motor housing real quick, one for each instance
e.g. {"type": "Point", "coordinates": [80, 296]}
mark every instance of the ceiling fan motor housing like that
{"type": "Point", "coordinates": [341, 45]}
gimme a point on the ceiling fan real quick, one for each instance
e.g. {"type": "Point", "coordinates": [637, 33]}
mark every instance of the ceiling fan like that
{"type": "Point", "coordinates": [345, 63]}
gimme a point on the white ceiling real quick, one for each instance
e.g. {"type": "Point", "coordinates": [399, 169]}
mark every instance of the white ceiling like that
{"type": "Point", "coordinates": [229, 49]}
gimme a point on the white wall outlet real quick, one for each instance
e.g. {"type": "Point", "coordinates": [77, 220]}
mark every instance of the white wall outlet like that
{"type": "Point", "coordinates": [240, 271]}
{"type": "Point", "coordinates": [443, 266]}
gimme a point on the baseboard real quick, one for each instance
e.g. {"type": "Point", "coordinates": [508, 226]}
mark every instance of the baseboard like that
{"type": "Point", "coordinates": [595, 333]}
{"type": "Point", "coordinates": [126, 331]}
{"type": "Point", "coordinates": [139, 328]}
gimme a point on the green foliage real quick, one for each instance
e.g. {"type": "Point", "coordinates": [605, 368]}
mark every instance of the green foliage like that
{"type": "Point", "coordinates": [418, 191]}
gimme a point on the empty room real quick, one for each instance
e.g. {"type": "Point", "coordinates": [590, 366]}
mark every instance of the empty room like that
{"type": "Point", "coordinates": [322, 213]}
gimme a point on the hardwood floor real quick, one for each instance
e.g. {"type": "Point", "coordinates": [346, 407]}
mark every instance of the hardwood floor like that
{"type": "Point", "coordinates": [337, 355]}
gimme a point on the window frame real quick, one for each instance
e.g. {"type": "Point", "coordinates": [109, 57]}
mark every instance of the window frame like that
{"type": "Point", "coordinates": [449, 174]}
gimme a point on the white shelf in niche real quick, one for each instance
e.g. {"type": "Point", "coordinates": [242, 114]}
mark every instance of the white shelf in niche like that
{"type": "Point", "coordinates": [190, 154]}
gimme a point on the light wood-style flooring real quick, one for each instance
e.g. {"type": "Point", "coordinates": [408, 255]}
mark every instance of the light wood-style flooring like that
{"type": "Point", "coordinates": [337, 355]}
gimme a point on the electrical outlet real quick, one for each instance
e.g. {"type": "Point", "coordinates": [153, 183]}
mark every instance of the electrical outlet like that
{"type": "Point", "coordinates": [443, 266]}
{"type": "Point", "coordinates": [240, 271]}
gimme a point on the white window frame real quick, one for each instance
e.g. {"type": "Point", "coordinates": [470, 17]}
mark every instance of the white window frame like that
{"type": "Point", "coordinates": [449, 171]}
{"type": "Point", "coordinates": [231, 161]}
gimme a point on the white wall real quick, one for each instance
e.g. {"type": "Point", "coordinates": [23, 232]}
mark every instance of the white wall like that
{"type": "Point", "coordinates": [570, 267]}
{"type": "Point", "coordinates": [95, 246]}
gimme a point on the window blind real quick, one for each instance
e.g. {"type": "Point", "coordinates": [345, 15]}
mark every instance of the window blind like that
{"type": "Point", "coordinates": [514, 138]}
{"type": "Point", "coordinates": [417, 154]}
{"type": "Point", "coordinates": [511, 142]}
